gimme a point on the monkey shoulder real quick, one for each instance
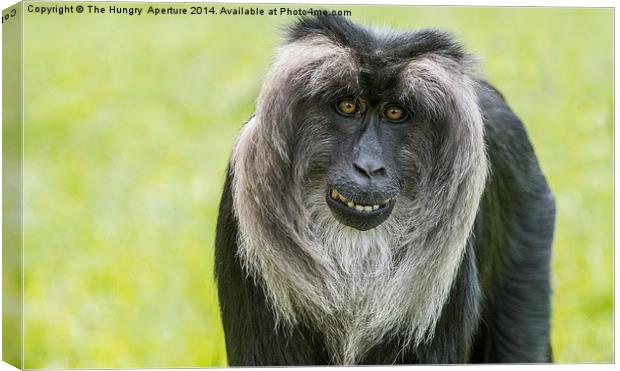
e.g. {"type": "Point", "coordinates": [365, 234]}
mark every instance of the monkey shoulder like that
{"type": "Point", "coordinates": [513, 235]}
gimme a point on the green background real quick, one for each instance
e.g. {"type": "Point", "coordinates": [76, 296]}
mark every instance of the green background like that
{"type": "Point", "coordinates": [129, 123]}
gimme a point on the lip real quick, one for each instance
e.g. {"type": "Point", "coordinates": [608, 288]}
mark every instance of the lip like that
{"type": "Point", "coordinates": [360, 215]}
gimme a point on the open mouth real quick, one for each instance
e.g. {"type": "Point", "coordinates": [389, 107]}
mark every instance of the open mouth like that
{"type": "Point", "coordinates": [359, 214]}
{"type": "Point", "coordinates": [362, 208]}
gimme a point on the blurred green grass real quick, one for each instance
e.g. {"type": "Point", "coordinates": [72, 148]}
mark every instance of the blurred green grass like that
{"type": "Point", "coordinates": [129, 122]}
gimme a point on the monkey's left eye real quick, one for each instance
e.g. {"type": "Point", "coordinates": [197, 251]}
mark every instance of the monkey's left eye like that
{"type": "Point", "coordinates": [395, 113]}
{"type": "Point", "coordinates": [349, 106]}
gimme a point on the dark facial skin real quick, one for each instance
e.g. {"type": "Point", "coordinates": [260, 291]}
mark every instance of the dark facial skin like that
{"type": "Point", "coordinates": [364, 178]}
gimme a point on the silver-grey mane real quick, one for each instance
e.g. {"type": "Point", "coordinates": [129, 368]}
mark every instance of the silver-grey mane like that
{"type": "Point", "coordinates": [355, 286]}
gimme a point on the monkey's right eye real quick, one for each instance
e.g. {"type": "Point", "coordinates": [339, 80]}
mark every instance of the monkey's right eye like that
{"type": "Point", "coordinates": [348, 106]}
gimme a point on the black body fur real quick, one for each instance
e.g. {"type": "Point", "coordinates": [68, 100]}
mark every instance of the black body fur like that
{"type": "Point", "coordinates": [499, 306]}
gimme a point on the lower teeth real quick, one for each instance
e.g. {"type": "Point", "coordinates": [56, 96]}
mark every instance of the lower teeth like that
{"type": "Point", "coordinates": [364, 208]}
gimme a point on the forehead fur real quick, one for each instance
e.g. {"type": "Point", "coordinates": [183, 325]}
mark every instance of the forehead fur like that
{"type": "Point", "coordinates": [397, 46]}
{"type": "Point", "coordinates": [329, 55]}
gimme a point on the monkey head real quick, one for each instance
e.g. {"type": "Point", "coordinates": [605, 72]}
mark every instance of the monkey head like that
{"type": "Point", "coordinates": [353, 123]}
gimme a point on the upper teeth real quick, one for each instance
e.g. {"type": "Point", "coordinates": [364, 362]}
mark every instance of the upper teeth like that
{"type": "Point", "coordinates": [359, 207]}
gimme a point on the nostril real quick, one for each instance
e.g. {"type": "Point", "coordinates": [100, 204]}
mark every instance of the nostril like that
{"type": "Point", "coordinates": [360, 169]}
{"type": "Point", "coordinates": [370, 170]}
{"type": "Point", "coordinates": [378, 172]}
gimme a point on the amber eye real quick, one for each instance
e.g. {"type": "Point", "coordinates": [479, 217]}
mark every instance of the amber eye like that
{"type": "Point", "coordinates": [394, 113]}
{"type": "Point", "coordinates": [348, 106]}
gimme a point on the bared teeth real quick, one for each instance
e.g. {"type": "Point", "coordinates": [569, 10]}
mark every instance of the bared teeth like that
{"type": "Point", "coordinates": [336, 196]}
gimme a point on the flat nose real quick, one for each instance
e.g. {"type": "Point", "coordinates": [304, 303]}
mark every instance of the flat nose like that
{"type": "Point", "coordinates": [370, 168]}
